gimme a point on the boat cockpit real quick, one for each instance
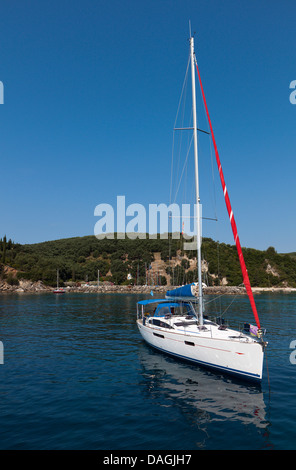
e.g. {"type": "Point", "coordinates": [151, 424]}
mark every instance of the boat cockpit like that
{"type": "Point", "coordinates": [166, 314]}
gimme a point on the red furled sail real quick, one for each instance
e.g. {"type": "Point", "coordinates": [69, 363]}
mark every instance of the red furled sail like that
{"type": "Point", "coordinates": [230, 213]}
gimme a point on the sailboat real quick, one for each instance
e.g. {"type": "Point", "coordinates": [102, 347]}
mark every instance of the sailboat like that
{"type": "Point", "coordinates": [58, 290]}
{"type": "Point", "coordinates": [177, 326]}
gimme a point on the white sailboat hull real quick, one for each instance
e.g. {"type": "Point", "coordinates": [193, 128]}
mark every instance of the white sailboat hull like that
{"type": "Point", "coordinates": [240, 356]}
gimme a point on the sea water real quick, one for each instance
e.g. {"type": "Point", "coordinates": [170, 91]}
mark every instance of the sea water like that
{"type": "Point", "coordinates": [77, 375]}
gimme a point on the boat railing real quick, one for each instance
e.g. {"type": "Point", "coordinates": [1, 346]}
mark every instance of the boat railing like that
{"type": "Point", "coordinates": [243, 327]}
{"type": "Point", "coordinates": [216, 320]}
{"type": "Point", "coordinates": [140, 312]}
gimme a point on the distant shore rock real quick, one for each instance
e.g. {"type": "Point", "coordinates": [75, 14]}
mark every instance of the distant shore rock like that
{"type": "Point", "coordinates": [26, 286]}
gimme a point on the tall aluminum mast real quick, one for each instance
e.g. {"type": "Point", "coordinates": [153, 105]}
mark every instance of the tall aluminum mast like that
{"type": "Point", "coordinates": [198, 205]}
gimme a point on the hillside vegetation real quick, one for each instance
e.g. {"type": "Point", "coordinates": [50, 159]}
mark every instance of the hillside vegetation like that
{"type": "Point", "coordinates": [141, 261]}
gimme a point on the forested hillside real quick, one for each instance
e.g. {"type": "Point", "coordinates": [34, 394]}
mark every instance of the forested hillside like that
{"type": "Point", "coordinates": [140, 261]}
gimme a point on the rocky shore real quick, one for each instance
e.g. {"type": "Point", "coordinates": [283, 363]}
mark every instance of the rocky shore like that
{"type": "Point", "coordinates": [26, 286]}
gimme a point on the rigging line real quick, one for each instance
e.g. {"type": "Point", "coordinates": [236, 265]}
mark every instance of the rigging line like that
{"type": "Point", "coordinates": [231, 216]}
{"type": "Point", "coordinates": [178, 109]}
{"type": "Point", "coordinates": [215, 298]}
{"type": "Point", "coordinates": [213, 178]}
{"type": "Point", "coordinates": [185, 185]}
{"type": "Point", "coordinates": [229, 304]}
{"type": "Point", "coordinates": [181, 137]}
{"type": "Point", "coordinates": [214, 191]}
{"type": "Point", "coordinates": [219, 297]}
{"type": "Point", "coordinates": [184, 166]}
{"type": "Point", "coordinates": [211, 153]}
{"type": "Point", "coordinates": [214, 196]}
{"type": "Point", "coordinates": [188, 145]}
{"type": "Point", "coordinates": [218, 263]}
{"type": "Point", "coordinates": [182, 92]}
{"type": "Point", "coordinates": [171, 186]}
{"type": "Point", "coordinates": [222, 295]}
{"type": "Point", "coordinates": [182, 124]}
{"type": "Point", "coordinates": [173, 145]}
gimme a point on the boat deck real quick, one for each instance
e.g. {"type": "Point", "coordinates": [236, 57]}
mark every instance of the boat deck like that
{"type": "Point", "coordinates": [190, 326]}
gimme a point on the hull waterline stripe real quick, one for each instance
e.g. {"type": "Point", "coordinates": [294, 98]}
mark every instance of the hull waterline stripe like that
{"type": "Point", "coordinates": [208, 364]}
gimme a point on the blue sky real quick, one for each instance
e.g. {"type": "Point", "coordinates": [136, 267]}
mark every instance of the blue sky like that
{"type": "Point", "coordinates": [91, 90]}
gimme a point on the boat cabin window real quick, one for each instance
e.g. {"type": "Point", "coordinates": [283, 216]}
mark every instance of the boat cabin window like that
{"type": "Point", "coordinates": [174, 309]}
{"type": "Point", "coordinates": [162, 311]}
{"type": "Point", "coordinates": [157, 322]}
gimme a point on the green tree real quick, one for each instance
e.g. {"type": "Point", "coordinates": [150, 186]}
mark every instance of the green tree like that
{"type": "Point", "coordinates": [4, 250]}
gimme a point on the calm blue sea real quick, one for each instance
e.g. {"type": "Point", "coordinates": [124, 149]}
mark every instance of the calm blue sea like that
{"type": "Point", "coordinates": [77, 375]}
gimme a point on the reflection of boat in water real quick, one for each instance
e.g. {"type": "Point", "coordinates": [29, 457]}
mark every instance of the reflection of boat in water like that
{"type": "Point", "coordinates": [216, 397]}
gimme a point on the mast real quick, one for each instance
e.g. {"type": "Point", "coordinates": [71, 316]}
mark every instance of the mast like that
{"type": "Point", "coordinates": [200, 302]}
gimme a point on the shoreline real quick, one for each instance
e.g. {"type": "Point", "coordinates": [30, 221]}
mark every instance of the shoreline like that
{"type": "Point", "coordinates": [39, 287]}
